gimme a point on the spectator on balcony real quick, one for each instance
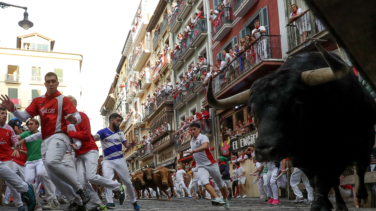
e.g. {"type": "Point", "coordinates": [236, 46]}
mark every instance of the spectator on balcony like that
{"type": "Point", "coordinates": [169, 14]}
{"type": "Point", "coordinates": [177, 48]}
{"type": "Point", "coordinates": [301, 20]}
{"type": "Point", "coordinates": [168, 87]}
{"type": "Point", "coordinates": [180, 37]}
{"type": "Point", "coordinates": [202, 61]}
{"type": "Point", "coordinates": [242, 157]}
{"type": "Point", "coordinates": [261, 44]}
{"type": "Point", "coordinates": [213, 15]}
{"type": "Point", "coordinates": [234, 158]}
{"type": "Point", "coordinates": [168, 126]}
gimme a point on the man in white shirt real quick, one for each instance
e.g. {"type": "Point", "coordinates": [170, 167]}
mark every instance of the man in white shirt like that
{"type": "Point", "coordinates": [180, 174]}
{"type": "Point", "coordinates": [240, 172]}
{"type": "Point", "coordinates": [261, 43]}
{"type": "Point", "coordinates": [242, 157]}
{"type": "Point", "coordinates": [207, 166]}
{"type": "Point", "coordinates": [234, 180]}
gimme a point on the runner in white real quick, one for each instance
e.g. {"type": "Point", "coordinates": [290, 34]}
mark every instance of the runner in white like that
{"type": "Point", "coordinates": [180, 173]}
{"type": "Point", "coordinates": [112, 139]}
{"type": "Point", "coordinates": [270, 182]}
{"type": "Point", "coordinates": [55, 110]}
{"type": "Point", "coordinates": [296, 176]}
{"type": "Point", "coordinates": [207, 165]}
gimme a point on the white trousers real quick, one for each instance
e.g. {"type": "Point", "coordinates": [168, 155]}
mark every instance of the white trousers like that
{"type": "Point", "coordinates": [120, 166]}
{"type": "Point", "coordinates": [53, 151]}
{"type": "Point", "coordinates": [260, 185]}
{"type": "Point", "coordinates": [270, 182]}
{"type": "Point", "coordinates": [181, 183]}
{"type": "Point", "coordinates": [19, 170]}
{"type": "Point", "coordinates": [86, 165]}
{"type": "Point", "coordinates": [13, 181]}
{"type": "Point", "coordinates": [210, 170]}
{"type": "Point", "coordinates": [65, 188]}
{"type": "Point", "coordinates": [295, 180]}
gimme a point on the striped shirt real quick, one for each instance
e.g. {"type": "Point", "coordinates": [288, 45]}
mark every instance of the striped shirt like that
{"type": "Point", "coordinates": [111, 143]}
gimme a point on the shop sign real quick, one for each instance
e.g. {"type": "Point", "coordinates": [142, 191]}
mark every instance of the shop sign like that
{"type": "Point", "coordinates": [165, 156]}
{"type": "Point", "coordinates": [240, 143]}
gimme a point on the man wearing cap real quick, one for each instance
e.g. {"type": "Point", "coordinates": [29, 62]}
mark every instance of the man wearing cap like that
{"type": "Point", "coordinates": [225, 173]}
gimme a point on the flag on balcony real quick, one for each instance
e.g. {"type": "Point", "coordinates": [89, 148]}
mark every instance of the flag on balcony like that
{"type": "Point", "coordinates": [15, 101]}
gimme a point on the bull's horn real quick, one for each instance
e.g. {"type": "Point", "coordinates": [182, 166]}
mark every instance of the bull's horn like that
{"type": "Point", "coordinates": [231, 102]}
{"type": "Point", "coordinates": [337, 69]}
{"type": "Point", "coordinates": [157, 171]}
{"type": "Point", "coordinates": [172, 170]}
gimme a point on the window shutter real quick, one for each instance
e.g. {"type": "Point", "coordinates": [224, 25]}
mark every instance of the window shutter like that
{"type": "Point", "coordinates": [35, 93]}
{"type": "Point", "coordinates": [235, 41]}
{"type": "Point", "coordinates": [59, 72]}
{"type": "Point", "coordinates": [242, 34]}
{"type": "Point", "coordinates": [247, 31]}
{"type": "Point", "coordinates": [13, 93]}
{"type": "Point", "coordinates": [264, 18]}
{"type": "Point", "coordinates": [216, 3]}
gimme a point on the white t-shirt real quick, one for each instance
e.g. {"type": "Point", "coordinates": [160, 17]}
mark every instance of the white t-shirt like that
{"type": "Point", "coordinates": [223, 65]}
{"type": "Point", "coordinates": [179, 175]}
{"type": "Point", "coordinates": [239, 172]}
{"type": "Point", "coordinates": [243, 157]}
{"type": "Point", "coordinates": [228, 57]}
{"type": "Point", "coordinates": [258, 164]}
{"type": "Point", "coordinates": [234, 175]}
{"type": "Point", "coordinates": [203, 158]}
{"type": "Point", "coordinates": [258, 34]}
{"type": "Point", "coordinates": [297, 13]}
{"type": "Point", "coordinates": [195, 174]}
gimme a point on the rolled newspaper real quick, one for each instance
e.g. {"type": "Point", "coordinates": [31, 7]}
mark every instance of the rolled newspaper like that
{"type": "Point", "coordinates": [279, 176]}
{"type": "Point", "coordinates": [255, 181]}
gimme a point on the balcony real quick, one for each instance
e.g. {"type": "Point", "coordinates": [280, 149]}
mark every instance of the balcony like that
{"type": "Point", "coordinates": [156, 40]}
{"type": "Point", "coordinates": [184, 9]}
{"type": "Point", "coordinates": [164, 25]}
{"type": "Point", "coordinates": [129, 99]}
{"type": "Point", "coordinates": [145, 152]}
{"type": "Point", "coordinates": [16, 102]}
{"type": "Point", "coordinates": [241, 7]}
{"type": "Point", "coordinates": [178, 101]}
{"type": "Point", "coordinates": [145, 114]}
{"type": "Point", "coordinates": [129, 122]}
{"type": "Point", "coordinates": [175, 22]}
{"type": "Point", "coordinates": [163, 141]}
{"type": "Point", "coordinates": [222, 24]}
{"type": "Point", "coordinates": [206, 126]}
{"type": "Point", "coordinates": [37, 80]}
{"type": "Point", "coordinates": [176, 62]}
{"type": "Point", "coordinates": [143, 55]}
{"type": "Point", "coordinates": [131, 153]}
{"type": "Point", "coordinates": [145, 83]}
{"type": "Point", "coordinates": [186, 47]}
{"type": "Point", "coordinates": [138, 121]}
{"type": "Point", "coordinates": [199, 32]}
{"type": "Point", "coordinates": [166, 63]}
{"type": "Point", "coordinates": [132, 91]}
{"type": "Point", "coordinates": [163, 100]}
{"type": "Point", "coordinates": [265, 56]}
{"type": "Point", "coordinates": [139, 91]}
{"type": "Point", "coordinates": [140, 28]}
{"type": "Point", "coordinates": [313, 27]}
{"type": "Point", "coordinates": [12, 79]}
{"type": "Point", "coordinates": [156, 75]}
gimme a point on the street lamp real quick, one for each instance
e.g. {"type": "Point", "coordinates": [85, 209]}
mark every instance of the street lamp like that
{"type": "Point", "coordinates": [25, 23]}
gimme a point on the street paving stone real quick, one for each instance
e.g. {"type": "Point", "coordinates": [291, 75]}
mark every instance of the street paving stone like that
{"type": "Point", "coordinates": [247, 204]}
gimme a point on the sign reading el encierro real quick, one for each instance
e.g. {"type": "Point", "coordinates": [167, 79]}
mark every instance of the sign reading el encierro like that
{"type": "Point", "coordinates": [240, 143]}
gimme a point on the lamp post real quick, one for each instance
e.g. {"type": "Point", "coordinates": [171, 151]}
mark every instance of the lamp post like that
{"type": "Point", "coordinates": [25, 23]}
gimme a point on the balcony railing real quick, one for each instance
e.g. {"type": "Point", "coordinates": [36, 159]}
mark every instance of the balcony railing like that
{"type": "Point", "coordinates": [206, 125]}
{"type": "Point", "coordinates": [164, 24]}
{"type": "Point", "coordinates": [163, 97]}
{"type": "Point", "coordinates": [241, 7]}
{"type": "Point", "coordinates": [16, 102]}
{"type": "Point", "coordinates": [184, 8]}
{"type": "Point", "coordinates": [178, 100]}
{"type": "Point", "coordinates": [237, 4]}
{"type": "Point", "coordinates": [144, 151]}
{"type": "Point", "coordinates": [129, 121]}
{"type": "Point", "coordinates": [36, 79]}
{"type": "Point", "coordinates": [305, 24]}
{"type": "Point", "coordinates": [151, 109]}
{"type": "Point", "coordinates": [186, 43]}
{"type": "Point", "coordinates": [145, 82]}
{"type": "Point", "coordinates": [12, 78]}
{"type": "Point", "coordinates": [224, 17]}
{"type": "Point", "coordinates": [174, 17]}
{"type": "Point", "coordinates": [200, 29]}
{"type": "Point", "coordinates": [176, 57]}
{"type": "Point", "coordinates": [265, 47]}
{"type": "Point", "coordinates": [145, 113]}
{"type": "Point", "coordinates": [155, 40]}
{"type": "Point", "coordinates": [175, 22]}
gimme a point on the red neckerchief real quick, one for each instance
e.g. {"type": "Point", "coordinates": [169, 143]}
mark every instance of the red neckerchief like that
{"type": "Point", "coordinates": [257, 27]}
{"type": "Point", "coordinates": [223, 163]}
{"type": "Point", "coordinates": [243, 156]}
{"type": "Point", "coordinates": [295, 13]}
{"type": "Point", "coordinates": [238, 167]}
{"type": "Point", "coordinates": [179, 169]}
{"type": "Point", "coordinates": [57, 93]}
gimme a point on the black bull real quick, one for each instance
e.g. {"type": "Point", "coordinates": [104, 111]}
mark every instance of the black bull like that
{"type": "Point", "coordinates": [317, 115]}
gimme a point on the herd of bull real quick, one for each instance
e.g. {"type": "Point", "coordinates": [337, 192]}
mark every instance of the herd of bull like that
{"type": "Point", "coordinates": [160, 177]}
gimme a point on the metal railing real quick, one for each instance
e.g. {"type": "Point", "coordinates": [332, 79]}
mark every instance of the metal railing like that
{"type": "Point", "coordinates": [237, 4]}
{"type": "Point", "coordinates": [265, 47]}
{"type": "Point", "coordinates": [37, 79]}
{"type": "Point", "coordinates": [174, 17]}
{"type": "Point", "coordinates": [155, 39]}
{"type": "Point", "coordinates": [144, 150]}
{"type": "Point", "coordinates": [155, 71]}
{"type": "Point", "coordinates": [12, 78]}
{"type": "Point", "coordinates": [144, 81]}
{"type": "Point", "coordinates": [186, 43]}
{"type": "Point", "coordinates": [176, 57]}
{"type": "Point", "coordinates": [178, 98]}
{"type": "Point", "coordinates": [307, 24]}
{"type": "Point", "coordinates": [145, 112]}
{"type": "Point", "coordinates": [206, 125]}
{"type": "Point", "coordinates": [164, 96]}
{"type": "Point", "coordinates": [164, 24]}
{"type": "Point", "coordinates": [129, 121]}
{"type": "Point", "coordinates": [201, 26]}
{"type": "Point", "coordinates": [225, 16]}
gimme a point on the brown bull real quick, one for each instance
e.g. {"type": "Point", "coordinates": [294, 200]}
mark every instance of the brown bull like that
{"type": "Point", "coordinates": [139, 183]}
{"type": "Point", "coordinates": [162, 178]}
{"type": "Point", "coordinates": [148, 178]}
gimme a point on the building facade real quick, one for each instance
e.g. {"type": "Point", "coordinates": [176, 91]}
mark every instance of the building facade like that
{"type": "Point", "coordinates": [23, 69]}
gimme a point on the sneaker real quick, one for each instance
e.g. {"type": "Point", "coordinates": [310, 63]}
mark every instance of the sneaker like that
{"type": "Point", "coordinates": [332, 199]}
{"type": "Point", "coordinates": [63, 200]}
{"type": "Point", "coordinates": [110, 205]}
{"type": "Point", "coordinates": [98, 208]}
{"type": "Point", "coordinates": [218, 202]}
{"type": "Point", "coordinates": [52, 205]}
{"type": "Point", "coordinates": [245, 196]}
{"type": "Point", "coordinates": [5, 201]}
{"type": "Point", "coordinates": [22, 208]}
{"type": "Point", "coordinates": [189, 197]}
{"type": "Point", "coordinates": [76, 207]}
{"type": "Point", "coordinates": [227, 205]}
{"type": "Point", "coordinates": [135, 206]}
{"type": "Point", "coordinates": [85, 195]}
{"type": "Point", "coordinates": [208, 197]}
{"type": "Point", "coordinates": [121, 194]}
{"type": "Point", "coordinates": [29, 198]}
{"type": "Point", "coordinates": [229, 197]}
{"type": "Point", "coordinates": [276, 202]}
{"type": "Point", "coordinates": [270, 201]}
{"type": "Point", "coordinates": [309, 201]}
{"type": "Point", "coordinates": [262, 197]}
{"type": "Point", "coordinates": [298, 200]}
{"type": "Point", "coordinates": [238, 197]}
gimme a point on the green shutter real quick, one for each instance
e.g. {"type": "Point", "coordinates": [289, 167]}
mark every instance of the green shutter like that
{"type": "Point", "coordinates": [36, 71]}
{"type": "Point", "coordinates": [13, 93]}
{"type": "Point", "coordinates": [35, 93]}
{"type": "Point", "coordinates": [59, 72]}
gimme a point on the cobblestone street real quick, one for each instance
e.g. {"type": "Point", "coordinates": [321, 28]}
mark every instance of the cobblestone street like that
{"type": "Point", "coordinates": [196, 205]}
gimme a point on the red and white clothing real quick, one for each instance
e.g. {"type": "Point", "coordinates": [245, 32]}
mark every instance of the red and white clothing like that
{"type": "Point", "coordinates": [242, 157]}
{"type": "Point", "coordinates": [7, 139]}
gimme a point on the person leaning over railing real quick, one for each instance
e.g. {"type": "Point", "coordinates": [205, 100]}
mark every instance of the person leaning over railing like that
{"type": "Point", "coordinates": [303, 23]}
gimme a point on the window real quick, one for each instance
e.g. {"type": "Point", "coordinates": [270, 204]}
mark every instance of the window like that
{"type": "Point", "coordinates": [239, 117]}
{"type": "Point", "coordinates": [35, 93]}
{"type": "Point", "coordinates": [36, 74]}
{"type": "Point", "coordinates": [262, 16]}
{"type": "Point", "coordinates": [13, 69]}
{"type": "Point", "coordinates": [229, 123]}
{"type": "Point", "coordinates": [227, 47]}
{"type": "Point", "coordinates": [13, 93]}
{"type": "Point", "coordinates": [216, 3]}
{"type": "Point", "coordinates": [10, 116]}
{"type": "Point", "coordinates": [42, 47]}
{"type": "Point", "coordinates": [193, 110]}
{"type": "Point", "coordinates": [59, 73]}
{"type": "Point", "coordinates": [36, 46]}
